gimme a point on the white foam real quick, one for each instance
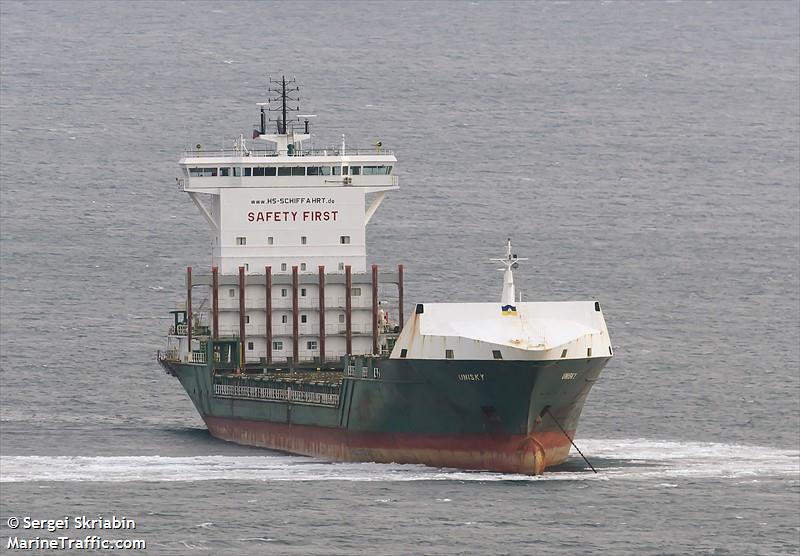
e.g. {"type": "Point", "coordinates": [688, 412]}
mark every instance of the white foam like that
{"type": "Point", "coordinates": [618, 459]}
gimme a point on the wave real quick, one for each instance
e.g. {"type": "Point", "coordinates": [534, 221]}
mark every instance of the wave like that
{"type": "Point", "coordinates": [617, 459]}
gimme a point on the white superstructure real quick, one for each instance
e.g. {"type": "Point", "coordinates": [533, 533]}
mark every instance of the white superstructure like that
{"type": "Point", "coordinates": [299, 216]}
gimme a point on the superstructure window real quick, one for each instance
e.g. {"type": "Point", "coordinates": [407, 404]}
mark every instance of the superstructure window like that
{"type": "Point", "coordinates": [277, 346]}
{"type": "Point", "coordinates": [299, 171]}
{"type": "Point", "coordinates": [355, 292]}
{"type": "Point", "coordinates": [225, 172]}
{"type": "Point", "coordinates": [284, 171]}
{"type": "Point", "coordinates": [376, 170]}
{"type": "Point", "coordinates": [341, 318]}
{"type": "Point", "coordinates": [303, 267]}
{"type": "Point", "coordinates": [269, 171]}
{"type": "Point", "coordinates": [247, 319]}
{"type": "Point", "coordinates": [355, 170]}
{"type": "Point", "coordinates": [311, 344]}
{"type": "Point", "coordinates": [248, 172]}
{"type": "Point", "coordinates": [202, 172]}
{"type": "Point", "coordinates": [303, 292]}
{"type": "Point", "coordinates": [284, 319]}
{"type": "Point", "coordinates": [237, 172]}
{"type": "Point", "coordinates": [448, 353]}
{"type": "Point", "coordinates": [231, 292]}
{"type": "Point", "coordinates": [312, 171]}
{"type": "Point", "coordinates": [304, 318]}
{"type": "Point", "coordinates": [341, 266]}
{"type": "Point", "coordinates": [284, 292]}
{"type": "Point", "coordinates": [250, 346]}
{"type": "Point", "coordinates": [270, 240]}
{"type": "Point", "coordinates": [303, 240]}
{"type": "Point", "coordinates": [344, 240]}
{"type": "Point", "coordinates": [403, 352]}
{"type": "Point", "coordinates": [258, 171]}
{"type": "Point", "coordinates": [283, 267]}
{"type": "Point", "coordinates": [241, 241]}
{"type": "Point", "coordinates": [496, 354]}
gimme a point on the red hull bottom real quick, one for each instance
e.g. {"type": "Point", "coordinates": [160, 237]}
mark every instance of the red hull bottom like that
{"type": "Point", "coordinates": [526, 454]}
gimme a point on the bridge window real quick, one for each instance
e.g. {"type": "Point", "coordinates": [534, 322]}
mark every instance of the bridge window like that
{"type": "Point", "coordinates": [277, 346]}
{"type": "Point", "coordinates": [248, 172]}
{"type": "Point", "coordinates": [241, 241]}
{"type": "Point", "coordinates": [312, 171]}
{"type": "Point", "coordinates": [299, 171]}
{"type": "Point", "coordinates": [258, 171]}
{"type": "Point", "coordinates": [325, 171]}
{"type": "Point", "coordinates": [286, 171]}
{"type": "Point", "coordinates": [202, 172]}
{"type": "Point", "coordinates": [344, 240]}
{"type": "Point", "coordinates": [311, 344]}
{"type": "Point", "coordinates": [337, 170]}
{"type": "Point", "coordinates": [355, 170]}
{"type": "Point", "coordinates": [376, 170]}
{"type": "Point", "coordinates": [269, 171]}
{"type": "Point", "coordinates": [237, 172]}
{"type": "Point", "coordinates": [225, 172]}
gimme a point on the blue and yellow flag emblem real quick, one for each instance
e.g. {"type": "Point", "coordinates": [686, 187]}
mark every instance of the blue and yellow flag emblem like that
{"type": "Point", "coordinates": [509, 310]}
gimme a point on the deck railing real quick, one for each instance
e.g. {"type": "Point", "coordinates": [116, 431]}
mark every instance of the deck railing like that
{"type": "Point", "coordinates": [255, 153]}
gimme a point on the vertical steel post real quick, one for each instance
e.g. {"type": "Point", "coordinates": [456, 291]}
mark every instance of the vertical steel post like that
{"type": "Point", "coordinates": [375, 350]}
{"type": "Point", "coordinates": [295, 316]}
{"type": "Point", "coordinates": [215, 301]}
{"type": "Point", "coordinates": [189, 309]}
{"type": "Point", "coordinates": [242, 361]}
{"type": "Point", "coordinates": [400, 295]}
{"type": "Point", "coordinates": [348, 308]}
{"type": "Point", "coordinates": [268, 308]}
{"type": "Point", "coordinates": [322, 315]}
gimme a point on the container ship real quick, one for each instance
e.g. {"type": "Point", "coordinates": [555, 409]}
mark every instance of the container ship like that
{"type": "Point", "coordinates": [290, 341]}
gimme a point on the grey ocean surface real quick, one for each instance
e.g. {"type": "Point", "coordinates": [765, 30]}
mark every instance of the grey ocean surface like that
{"type": "Point", "coordinates": [642, 154]}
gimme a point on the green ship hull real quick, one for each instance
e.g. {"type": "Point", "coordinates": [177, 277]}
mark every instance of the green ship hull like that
{"type": "Point", "coordinates": [507, 416]}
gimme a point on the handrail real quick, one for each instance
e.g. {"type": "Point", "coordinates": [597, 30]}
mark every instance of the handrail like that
{"type": "Point", "coordinates": [255, 153]}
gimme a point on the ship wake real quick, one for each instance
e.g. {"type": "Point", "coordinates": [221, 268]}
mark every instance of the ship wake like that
{"type": "Point", "coordinates": [617, 459]}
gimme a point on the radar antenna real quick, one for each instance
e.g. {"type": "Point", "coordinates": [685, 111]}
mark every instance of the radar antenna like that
{"type": "Point", "coordinates": [283, 97]}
